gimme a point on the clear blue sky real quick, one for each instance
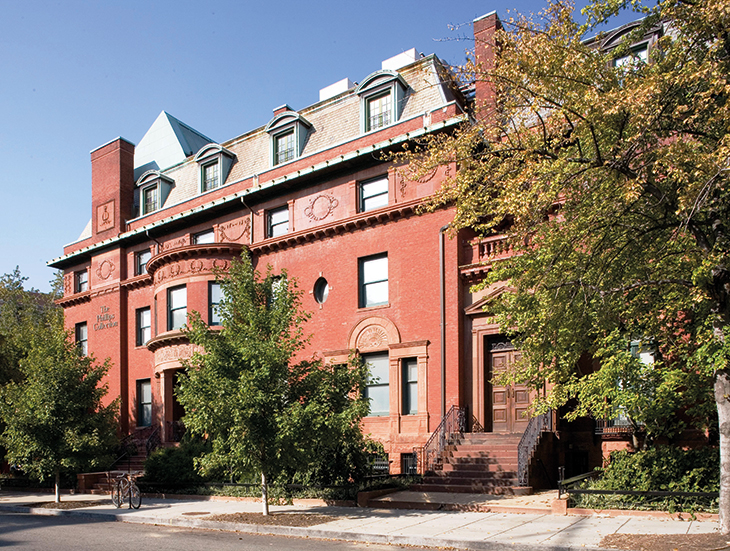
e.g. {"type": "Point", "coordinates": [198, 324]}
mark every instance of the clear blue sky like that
{"type": "Point", "coordinates": [76, 74]}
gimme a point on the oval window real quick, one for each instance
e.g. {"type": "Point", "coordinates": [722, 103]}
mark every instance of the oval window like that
{"type": "Point", "coordinates": [321, 290]}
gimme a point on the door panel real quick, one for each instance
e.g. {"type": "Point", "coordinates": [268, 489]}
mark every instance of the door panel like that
{"type": "Point", "coordinates": [509, 404]}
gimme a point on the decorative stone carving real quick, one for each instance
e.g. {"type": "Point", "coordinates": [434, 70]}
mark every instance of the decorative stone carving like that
{"type": "Point", "coordinates": [175, 243]}
{"type": "Point", "coordinates": [175, 352]}
{"type": "Point", "coordinates": [408, 175]}
{"type": "Point", "coordinates": [105, 216]}
{"type": "Point", "coordinates": [321, 207]}
{"type": "Point", "coordinates": [68, 281]}
{"type": "Point", "coordinates": [372, 338]}
{"type": "Point", "coordinates": [220, 264]}
{"type": "Point", "coordinates": [105, 269]}
{"type": "Point", "coordinates": [196, 266]}
{"type": "Point", "coordinates": [235, 230]}
{"type": "Point", "coordinates": [175, 269]}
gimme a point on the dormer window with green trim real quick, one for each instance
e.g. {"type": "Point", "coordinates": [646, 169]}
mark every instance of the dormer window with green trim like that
{"type": "Point", "coordinates": [151, 192]}
{"type": "Point", "coordinates": [215, 164]}
{"type": "Point", "coordinates": [289, 132]}
{"type": "Point", "coordinates": [382, 95]}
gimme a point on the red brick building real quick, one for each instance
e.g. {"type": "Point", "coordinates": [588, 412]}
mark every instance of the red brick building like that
{"type": "Point", "coordinates": [308, 192]}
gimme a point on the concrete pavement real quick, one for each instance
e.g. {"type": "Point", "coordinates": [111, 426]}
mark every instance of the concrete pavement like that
{"type": "Point", "coordinates": [457, 529]}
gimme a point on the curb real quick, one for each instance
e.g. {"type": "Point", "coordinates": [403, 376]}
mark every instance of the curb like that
{"type": "Point", "coordinates": [295, 531]}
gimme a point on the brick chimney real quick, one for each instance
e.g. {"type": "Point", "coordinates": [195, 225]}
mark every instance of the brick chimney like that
{"type": "Point", "coordinates": [485, 28]}
{"type": "Point", "coordinates": [112, 188]}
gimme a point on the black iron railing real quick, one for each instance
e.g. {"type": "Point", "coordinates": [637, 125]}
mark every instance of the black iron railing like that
{"type": "Point", "coordinates": [529, 442]}
{"type": "Point", "coordinates": [454, 422]}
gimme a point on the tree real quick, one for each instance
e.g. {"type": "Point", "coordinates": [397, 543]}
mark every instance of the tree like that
{"type": "Point", "coordinates": [263, 413]}
{"type": "Point", "coordinates": [611, 186]}
{"type": "Point", "coordinates": [54, 418]}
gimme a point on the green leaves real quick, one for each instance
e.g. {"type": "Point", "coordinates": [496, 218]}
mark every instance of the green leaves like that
{"type": "Point", "coordinates": [54, 416]}
{"type": "Point", "coordinates": [262, 407]}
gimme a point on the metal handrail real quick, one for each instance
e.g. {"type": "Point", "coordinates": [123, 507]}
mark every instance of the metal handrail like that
{"type": "Point", "coordinates": [453, 422]}
{"type": "Point", "coordinates": [528, 443]}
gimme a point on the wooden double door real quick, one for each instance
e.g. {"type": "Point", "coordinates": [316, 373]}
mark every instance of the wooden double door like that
{"type": "Point", "coordinates": [507, 405]}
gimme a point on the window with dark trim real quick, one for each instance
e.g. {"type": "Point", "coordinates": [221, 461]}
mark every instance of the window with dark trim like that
{"type": "Point", "coordinates": [373, 193]}
{"type": "Point", "coordinates": [150, 199]}
{"type": "Point", "coordinates": [144, 325]}
{"type": "Point", "coordinates": [214, 298]}
{"type": "Point", "coordinates": [277, 222]}
{"type": "Point", "coordinates": [82, 338]}
{"type": "Point", "coordinates": [82, 281]}
{"type": "Point", "coordinates": [144, 403]}
{"type": "Point", "coordinates": [373, 280]}
{"type": "Point", "coordinates": [177, 307]}
{"type": "Point", "coordinates": [378, 389]}
{"type": "Point", "coordinates": [204, 237]}
{"type": "Point", "coordinates": [140, 261]}
{"type": "Point", "coordinates": [410, 386]}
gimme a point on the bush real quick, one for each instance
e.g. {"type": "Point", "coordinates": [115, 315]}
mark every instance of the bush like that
{"type": "Point", "coordinates": [172, 468]}
{"type": "Point", "coordinates": [664, 468]}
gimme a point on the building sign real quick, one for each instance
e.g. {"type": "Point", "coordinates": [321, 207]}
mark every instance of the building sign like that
{"type": "Point", "coordinates": [105, 320]}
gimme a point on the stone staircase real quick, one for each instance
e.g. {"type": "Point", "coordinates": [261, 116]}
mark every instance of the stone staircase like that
{"type": "Point", "coordinates": [477, 463]}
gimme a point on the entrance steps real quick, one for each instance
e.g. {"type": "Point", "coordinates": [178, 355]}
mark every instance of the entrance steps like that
{"type": "Point", "coordinates": [477, 463]}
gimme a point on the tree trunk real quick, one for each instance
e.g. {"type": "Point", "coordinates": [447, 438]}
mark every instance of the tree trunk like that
{"type": "Point", "coordinates": [264, 494]}
{"type": "Point", "coordinates": [722, 398]}
{"type": "Point", "coordinates": [58, 486]}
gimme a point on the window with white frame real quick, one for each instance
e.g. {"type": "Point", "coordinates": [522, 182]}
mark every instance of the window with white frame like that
{"type": "Point", "coordinates": [82, 281]}
{"type": "Point", "coordinates": [144, 326]}
{"type": "Point", "coordinates": [284, 147]}
{"type": "Point", "coordinates": [214, 298]}
{"type": "Point", "coordinates": [82, 338]}
{"type": "Point", "coordinates": [177, 307]}
{"type": "Point", "coordinates": [144, 403]}
{"type": "Point", "coordinates": [637, 55]}
{"type": "Point", "coordinates": [373, 280]}
{"type": "Point", "coordinates": [150, 199]}
{"type": "Point", "coordinates": [379, 111]}
{"type": "Point", "coordinates": [277, 221]}
{"type": "Point", "coordinates": [378, 388]}
{"type": "Point", "coordinates": [210, 176]}
{"type": "Point", "coordinates": [140, 261]}
{"type": "Point", "coordinates": [373, 193]}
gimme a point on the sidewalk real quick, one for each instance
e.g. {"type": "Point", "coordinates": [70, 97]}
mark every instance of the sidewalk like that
{"type": "Point", "coordinates": [461, 530]}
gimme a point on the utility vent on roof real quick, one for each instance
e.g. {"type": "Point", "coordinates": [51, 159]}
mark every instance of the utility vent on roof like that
{"type": "Point", "coordinates": [337, 88]}
{"type": "Point", "coordinates": [401, 60]}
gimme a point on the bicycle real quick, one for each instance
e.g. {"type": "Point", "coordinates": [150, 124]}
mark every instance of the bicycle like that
{"type": "Point", "coordinates": [124, 488]}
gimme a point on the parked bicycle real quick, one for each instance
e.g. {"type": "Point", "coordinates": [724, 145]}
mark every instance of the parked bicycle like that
{"type": "Point", "coordinates": [125, 489]}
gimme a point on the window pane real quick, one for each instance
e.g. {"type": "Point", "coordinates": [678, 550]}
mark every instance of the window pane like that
{"type": "Point", "coordinates": [379, 112]}
{"type": "Point", "coordinates": [204, 237]}
{"type": "Point", "coordinates": [150, 200]}
{"type": "Point", "coordinates": [278, 222]}
{"type": "Point", "coordinates": [285, 148]}
{"type": "Point", "coordinates": [143, 258]}
{"type": "Point", "coordinates": [375, 269]}
{"type": "Point", "coordinates": [177, 308]}
{"type": "Point", "coordinates": [376, 293]}
{"type": "Point", "coordinates": [178, 297]}
{"type": "Point", "coordinates": [210, 177]}
{"type": "Point", "coordinates": [378, 389]}
{"type": "Point", "coordinates": [214, 300]}
{"type": "Point", "coordinates": [374, 194]}
{"type": "Point", "coordinates": [144, 326]}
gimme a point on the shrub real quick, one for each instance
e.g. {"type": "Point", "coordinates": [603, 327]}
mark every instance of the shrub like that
{"type": "Point", "coordinates": [174, 467]}
{"type": "Point", "coordinates": [664, 468]}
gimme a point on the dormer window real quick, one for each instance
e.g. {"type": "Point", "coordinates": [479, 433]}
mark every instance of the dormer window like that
{"type": "Point", "coordinates": [152, 190]}
{"type": "Point", "coordinates": [284, 150]}
{"type": "Point", "coordinates": [215, 164]}
{"type": "Point", "coordinates": [638, 54]}
{"type": "Point", "coordinates": [210, 176]}
{"type": "Point", "coordinates": [382, 95]}
{"type": "Point", "coordinates": [289, 132]}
